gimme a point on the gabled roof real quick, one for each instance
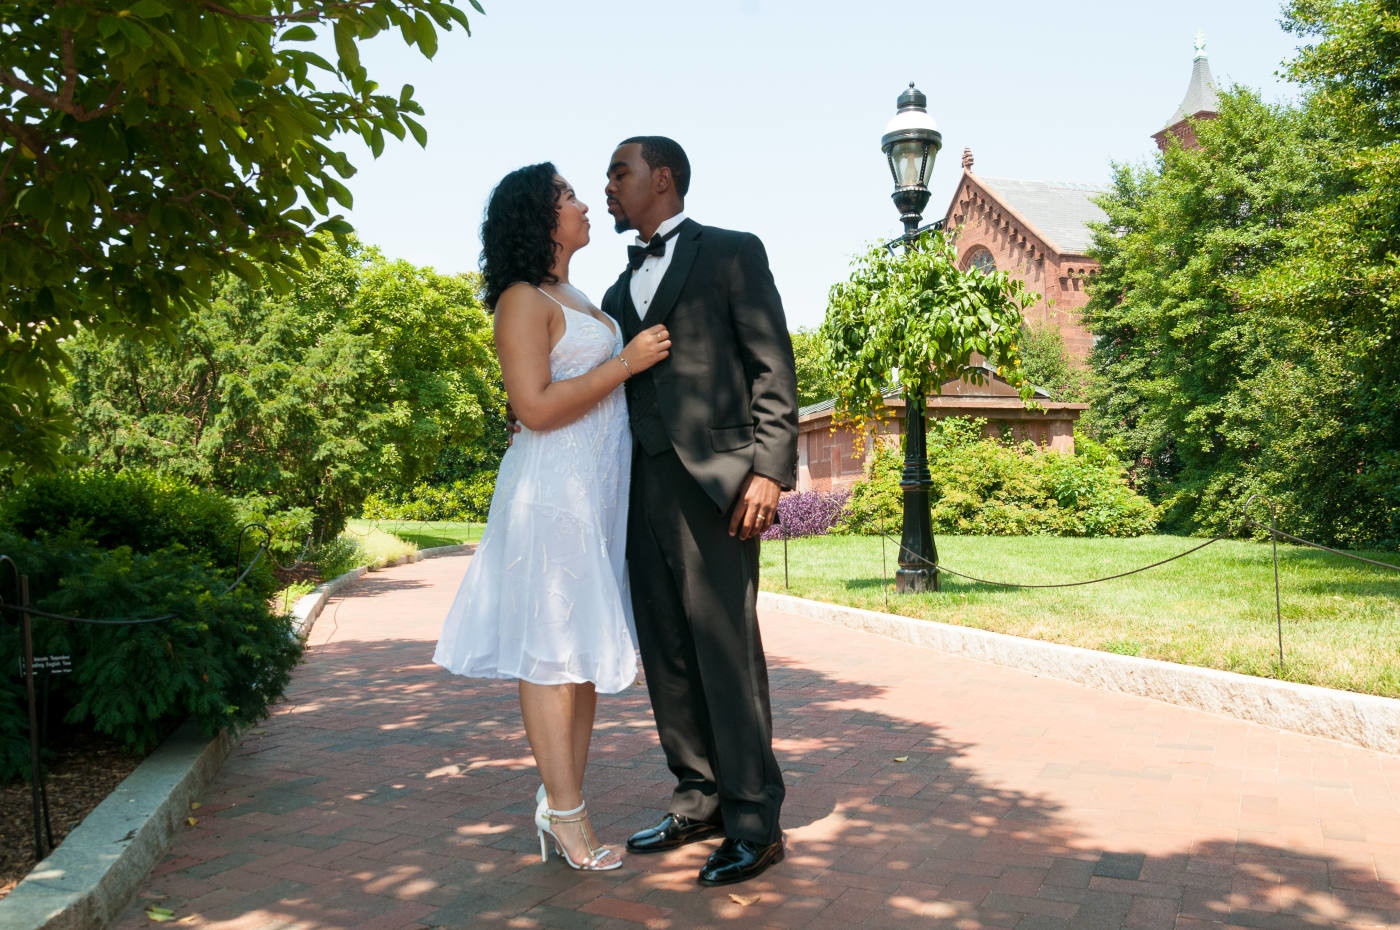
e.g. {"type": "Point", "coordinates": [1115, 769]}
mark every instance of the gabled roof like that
{"type": "Point", "coordinates": [1202, 96]}
{"type": "Point", "coordinates": [1059, 210]}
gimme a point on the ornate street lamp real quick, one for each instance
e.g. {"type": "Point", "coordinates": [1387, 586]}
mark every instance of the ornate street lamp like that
{"type": "Point", "coordinates": [911, 142]}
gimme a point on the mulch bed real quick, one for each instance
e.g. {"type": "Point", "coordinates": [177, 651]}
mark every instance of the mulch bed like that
{"type": "Point", "coordinates": [80, 776]}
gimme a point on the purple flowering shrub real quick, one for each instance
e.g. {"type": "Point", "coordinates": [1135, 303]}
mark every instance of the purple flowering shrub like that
{"type": "Point", "coordinates": [808, 513]}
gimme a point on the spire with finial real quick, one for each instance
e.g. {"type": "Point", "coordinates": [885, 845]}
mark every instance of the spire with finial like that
{"type": "Point", "coordinates": [967, 159]}
{"type": "Point", "coordinates": [1202, 96]}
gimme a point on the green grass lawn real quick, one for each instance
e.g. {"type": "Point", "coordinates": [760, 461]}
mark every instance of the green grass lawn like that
{"type": "Point", "coordinates": [425, 535]}
{"type": "Point", "coordinates": [1214, 608]}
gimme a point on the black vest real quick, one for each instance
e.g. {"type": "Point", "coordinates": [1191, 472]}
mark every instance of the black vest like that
{"type": "Point", "coordinates": [643, 406]}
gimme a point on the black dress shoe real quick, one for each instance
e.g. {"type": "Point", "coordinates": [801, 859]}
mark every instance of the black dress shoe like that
{"type": "Point", "coordinates": [739, 861]}
{"type": "Point", "coordinates": [673, 830]}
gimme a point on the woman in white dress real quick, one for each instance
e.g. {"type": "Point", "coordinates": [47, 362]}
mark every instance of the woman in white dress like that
{"type": "Point", "coordinates": [545, 597]}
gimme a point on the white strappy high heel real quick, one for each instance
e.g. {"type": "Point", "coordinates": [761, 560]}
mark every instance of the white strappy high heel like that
{"type": "Point", "coordinates": [598, 856]}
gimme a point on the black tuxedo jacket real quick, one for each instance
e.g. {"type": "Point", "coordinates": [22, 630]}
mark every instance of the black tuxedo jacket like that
{"type": "Point", "coordinates": [727, 393]}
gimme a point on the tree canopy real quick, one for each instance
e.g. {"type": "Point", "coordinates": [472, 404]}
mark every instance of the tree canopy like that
{"type": "Point", "coordinates": [814, 381]}
{"type": "Point", "coordinates": [146, 149]}
{"type": "Point", "coordinates": [918, 313]}
{"type": "Point", "coordinates": [1343, 270]}
{"type": "Point", "coordinates": [1248, 312]}
{"type": "Point", "coordinates": [355, 380]}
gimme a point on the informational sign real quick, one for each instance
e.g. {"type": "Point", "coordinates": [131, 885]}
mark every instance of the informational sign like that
{"type": "Point", "coordinates": [54, 665]}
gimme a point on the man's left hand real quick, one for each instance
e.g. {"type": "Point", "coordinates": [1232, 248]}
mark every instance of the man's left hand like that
{"type": "Point", "coordinates": [756, 507]}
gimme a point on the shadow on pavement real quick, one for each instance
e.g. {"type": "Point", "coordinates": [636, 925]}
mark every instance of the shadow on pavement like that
{"type": "Point", "coordinates": [385, 792]}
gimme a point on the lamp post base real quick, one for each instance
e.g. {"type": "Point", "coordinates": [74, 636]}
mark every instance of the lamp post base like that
{"type": "Point", "coordinates": [918, 554]}
{"type": "Point", "coordinates": [916, 580]}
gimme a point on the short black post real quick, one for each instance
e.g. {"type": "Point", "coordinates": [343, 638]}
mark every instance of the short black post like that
{"type": "Point", "coordinates": [1278, 603]}
{"type": "Point", "coordinates": [884, 566]}
{"type": "Point", "coordinates": [785, 557]}
{"type": "Point", "coordinates": [36, 769]}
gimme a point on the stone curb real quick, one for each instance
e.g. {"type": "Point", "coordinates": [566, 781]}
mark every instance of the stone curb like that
{"type": "Point", "coordinates": [89, 879]}
{"type": "Point", "coordinates": [1364, 720]}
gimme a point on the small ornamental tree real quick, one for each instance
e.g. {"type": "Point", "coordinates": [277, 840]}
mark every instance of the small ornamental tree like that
{"type": "Point", "coordinates": [918, 314]}
{"type": "Point", "coordinates": [921, 316]}
{"type": "Point", "coordinates": [149, 147]}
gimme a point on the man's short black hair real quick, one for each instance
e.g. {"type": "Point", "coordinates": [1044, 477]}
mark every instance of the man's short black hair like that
{"type": "Point", "coordinates": [661, 152]}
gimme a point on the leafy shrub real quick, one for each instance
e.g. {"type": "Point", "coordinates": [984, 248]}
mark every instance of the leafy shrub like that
{"type": "Point", "coordinates": [466, 499]}
{"type": "Point", "coordinates": [139, 509]}
{"type": "Point", "coordinates": [876, 500]}
{"type": "Point", "coordinates": [133, 546]}
{"type": "Point", "coordinates": [1091, 489]}
{"type": "Point", "coordinates": [807, 513]}
{"type": "Point", "coordinates": [337, 556]}
{"type": "Point", "coordinates": [293, 529]}
{"type": "Point", "coordinates": [989, 488]}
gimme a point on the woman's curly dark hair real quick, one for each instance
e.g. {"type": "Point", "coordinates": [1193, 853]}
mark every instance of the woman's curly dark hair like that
{"type": "Point", "coordinates": [517, 233]}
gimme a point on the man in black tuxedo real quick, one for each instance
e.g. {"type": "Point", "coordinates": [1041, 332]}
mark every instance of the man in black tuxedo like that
{"type": "Point", "coordinates": [715, 439]}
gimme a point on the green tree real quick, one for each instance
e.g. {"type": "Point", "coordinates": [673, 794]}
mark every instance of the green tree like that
{"type": "Point", "coordinates": [1047, 364]}
{"type": "Point", "coordinates": [1354, 64]}
{"type": "Point", "coordinates": [1248, 313]}
{"type": "Point", "coordinates": [146, 149]}
{"type": "Point", "coordinates": [1342, 271]}
{"type": "Point", "coordinates": [356, 379]}
{"type": "Point", "coordinates": [915, 318]}
{"type": "Point", "coordinates": [918, 314]}
{"type": "Point", "coordinates": [814, 381]}
{"type": "Point", "coordinates": [1216, 396]}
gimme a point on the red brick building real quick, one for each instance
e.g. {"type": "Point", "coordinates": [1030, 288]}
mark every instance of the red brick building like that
{"type": "Point", "coordinates": [834, 459]}
{"type": "Point", "coordinates": [1038, 231]}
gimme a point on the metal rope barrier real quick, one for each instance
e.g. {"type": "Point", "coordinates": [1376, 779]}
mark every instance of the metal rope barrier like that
{"type": "Point", "coordinates": [36, 612]}
{"type": "Point", "coordinates": [1064, 584]}
{"type": "Point", "coordinates": [1133, 571]}
{"type": "Point", "coordinates": [1272, 529]}
{"type": "Point", "coordinates": [1307, 542]}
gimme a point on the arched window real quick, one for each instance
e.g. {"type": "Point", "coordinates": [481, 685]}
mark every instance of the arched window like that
{"type": "Point", "coordinates": [981, 259]}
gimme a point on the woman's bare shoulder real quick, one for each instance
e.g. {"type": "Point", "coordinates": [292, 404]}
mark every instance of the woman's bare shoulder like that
{"type": "Point", "coordinates": [521, 296]}
{"type": "Point", "coordinates": [523, 303]}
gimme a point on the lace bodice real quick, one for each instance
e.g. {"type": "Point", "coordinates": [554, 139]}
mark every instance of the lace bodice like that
{"type": "Point", "coordinates": [587, 343]}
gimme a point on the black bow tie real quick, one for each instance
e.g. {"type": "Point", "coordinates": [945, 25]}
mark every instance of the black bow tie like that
{"type": "Point", "coordinates": [636, 254]}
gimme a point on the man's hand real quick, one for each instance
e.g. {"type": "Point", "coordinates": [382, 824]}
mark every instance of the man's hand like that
{"type": "Point", "coordinates": [512, 425]}
{"type": "Point", "coordinates": [756, 507]}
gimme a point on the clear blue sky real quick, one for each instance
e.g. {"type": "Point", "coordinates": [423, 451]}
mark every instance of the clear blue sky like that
{"type": "Point", "coordinates": [780, 106]}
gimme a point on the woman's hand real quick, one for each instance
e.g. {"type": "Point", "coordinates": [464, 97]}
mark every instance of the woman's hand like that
{"type": "Point", "coordinates": [646, 349]}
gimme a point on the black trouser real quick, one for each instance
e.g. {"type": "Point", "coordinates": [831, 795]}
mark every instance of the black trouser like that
{"type": "Point", "coordinates": [694, 593]}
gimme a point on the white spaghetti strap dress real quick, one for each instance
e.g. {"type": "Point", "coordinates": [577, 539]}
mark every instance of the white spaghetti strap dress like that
{"type": "Point", "coordinates": [545, 597]}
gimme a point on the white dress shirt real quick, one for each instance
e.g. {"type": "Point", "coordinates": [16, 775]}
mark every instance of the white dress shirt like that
{"type": "Point", "coordinates": [647, 277]}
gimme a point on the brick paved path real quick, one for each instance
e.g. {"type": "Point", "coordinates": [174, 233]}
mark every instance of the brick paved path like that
{"type": "Point", "coordinates": [386, 794]}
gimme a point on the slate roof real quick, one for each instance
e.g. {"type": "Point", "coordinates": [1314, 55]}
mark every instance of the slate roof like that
{"type": "Point", "coordinates": [1057, 209]}
{"type": "Point", "coordinates": [1201, 94]}
{"type": "Point", "coordinates": [828, 405]}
